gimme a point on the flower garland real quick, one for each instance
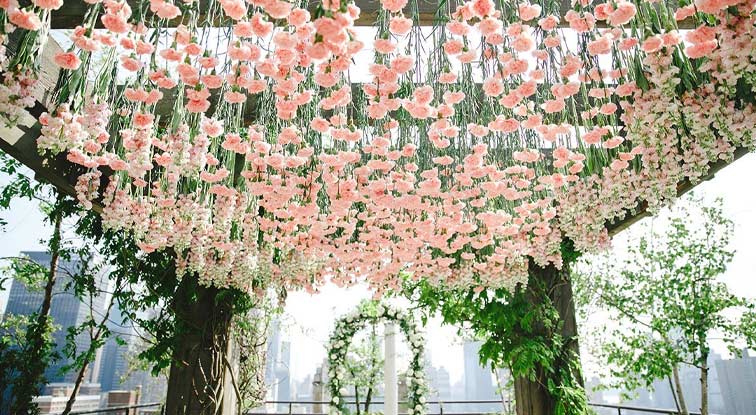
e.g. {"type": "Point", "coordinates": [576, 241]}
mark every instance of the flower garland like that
{"type": "Point", "coordinates": [465, 150]}
{"type": "Point", "coordinates": [338, 345]}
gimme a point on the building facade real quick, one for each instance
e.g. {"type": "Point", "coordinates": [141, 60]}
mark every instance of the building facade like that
{"type": "Point", "coordinates": [66, 311]}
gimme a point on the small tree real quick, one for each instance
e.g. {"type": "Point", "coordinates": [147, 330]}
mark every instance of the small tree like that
{"type": "Point", "coordinates": [364, 366]}
{"type": "Point", "coordinates": [668, 300]}
{"type": "Point", "coordinates": [36, 350]}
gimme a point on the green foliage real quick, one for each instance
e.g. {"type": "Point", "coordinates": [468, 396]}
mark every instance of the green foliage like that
{"type": "Point", "coordinates": [364, 366]}
{"type": "Point", "coordinates": [667, 298]}
{"type": "Point", "coordinates": [249, 332]}
{"type": "Point", "coordinates": [36, 351]}
{"type": "Point", "coordinates": [521, 331]}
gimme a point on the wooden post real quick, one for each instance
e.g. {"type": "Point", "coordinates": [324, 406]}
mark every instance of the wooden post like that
{"type": "Point", "coordinates": [197, 379]}
{"type": "Point", "coordinates": [391, 392]}
{"type": "Point", "coordinates": [553, 285]}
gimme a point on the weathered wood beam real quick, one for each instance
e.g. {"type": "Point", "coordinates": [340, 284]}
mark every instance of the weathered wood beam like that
{"type": "Point", "coordinates": [71, 15]}
{"type": "Point", "coordinates": [20, 141]}
{"type": "Point", "coordinates": [641, 211]}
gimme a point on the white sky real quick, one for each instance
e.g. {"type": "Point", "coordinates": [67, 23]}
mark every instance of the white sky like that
{"type": "Point", "coordinates": [309, 319]}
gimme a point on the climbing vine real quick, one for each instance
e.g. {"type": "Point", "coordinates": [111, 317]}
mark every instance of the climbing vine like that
{"type": "Point", "coordinates": [521, 330]}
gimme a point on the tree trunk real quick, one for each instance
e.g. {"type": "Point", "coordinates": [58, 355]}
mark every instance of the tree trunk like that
{"type": "Point", "coordinates": [532, 397]}
{"type": "Point", "coordinates": [197, 378]}
{"type": "Point", "coordinates": [674, 395]}
{"type": "Point", "coordinates": [705, 386]}
{"type": "Point", "coordinates": [77, 385]}
{"type": "Point", "coordinates": [679, 391]}
{"type": "Point", "coordinates": [357, 398]}
{"type": "Point", "coordinates": [31, 378]}
{"type": "Point", "coordinates": [91, 354]}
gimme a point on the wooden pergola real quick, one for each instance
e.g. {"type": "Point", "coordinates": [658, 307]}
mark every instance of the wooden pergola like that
{"type": "Point", "coordinates": [20, 140]}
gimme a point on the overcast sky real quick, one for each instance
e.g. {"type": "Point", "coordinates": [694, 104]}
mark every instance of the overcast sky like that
{"type": "Point", "coordinates": [308, 319]}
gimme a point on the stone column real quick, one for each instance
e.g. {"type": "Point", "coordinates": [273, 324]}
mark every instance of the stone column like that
{"type": "Point", "coordinates": [391, 392]}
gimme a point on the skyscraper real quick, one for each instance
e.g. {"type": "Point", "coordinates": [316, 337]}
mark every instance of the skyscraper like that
{"type": "Point", "coordinates": [66, 311]}
{"type": "Point", "coordinates": [478, 379]}
{"type": "Point", "coordinates": [114, 353]}
{"type": "Point", "coordinates": [440, 383]}
{"type": "Point", "coordinates": [737, 378]}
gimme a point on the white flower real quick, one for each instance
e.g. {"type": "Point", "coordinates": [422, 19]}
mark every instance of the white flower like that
{"type": "Point", "coordinates": [335, 400]}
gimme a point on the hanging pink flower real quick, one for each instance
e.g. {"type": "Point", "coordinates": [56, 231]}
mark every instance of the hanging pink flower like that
{"type": "Point", "coordinates": [142, 120]}
{"type": "Point", "coordinates": [25, 19]}
{"type": "Point", "coordinates": [623, 14]}
{"type": "Point", "coordinates": [67, 60]}
{"type": "Point", "coordinates": [116, 23]}
{"type": "Point", "coordinates": [384, 46]}
{"type": "Point", "coordinates": [553, 105]}
{"type": "Point", "coordinates": [482, 8]}
{"type": "Point", "coordinates": [653, 44]}
{"type": "Point", "coordinates": [278, 9]}
{"type": "Point", "coordinates": [700, 50]}
{"type": "Point", "coordinates": [400, 25]}
{"type": "Point", "coordinates": [298, 17]}
{"type": "Point", "coordinates": [685, 12]}
{"type": "Point", "coordinates": [529, 12]}
{"type": "Point", "coordinates": [394, 6]}
{"type": "Point", "coordinates": [48, 4]}
{"type": "Point", "coordinates": [235, 9]}
{"type": "Point", "coordinates": [493, 87]}
{"type": "Point", "coordinates": [549, 22]}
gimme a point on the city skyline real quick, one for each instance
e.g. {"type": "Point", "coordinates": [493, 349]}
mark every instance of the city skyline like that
{"type": "Point", "coordinates": [66, 311]}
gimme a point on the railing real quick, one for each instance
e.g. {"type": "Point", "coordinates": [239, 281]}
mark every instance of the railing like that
{"type": "Point", "coordinates": [120, 410]}
{"type": "Point", "coordinates": [621, 409]}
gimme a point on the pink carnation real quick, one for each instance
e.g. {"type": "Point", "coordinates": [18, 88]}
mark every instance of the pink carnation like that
{"type": "Point", "coordinates": [483, 8]}
{"type": "Point", "coordinates": [400, 25]}
{"type": "Point", "coordinates": [394, 6]}
{"type": "Point", "coordinates": [493, 87]}
{"type": "Point", "coordinates": [67, 60]}
{"type": "Point", "coordinates": [24, 19]}
{"type": "Point", "coordinates": [48, 4]}
{"type": "Point", "coordinates": [115, 23]}
{"type": "Point", "coordinates": [529, 11]}
{"type": "Point", "coordinates": [653, 44]}
{"type": "Point", "coordinates": [700, 50]}
{"type": "Point", "coordinates": [623, 14]}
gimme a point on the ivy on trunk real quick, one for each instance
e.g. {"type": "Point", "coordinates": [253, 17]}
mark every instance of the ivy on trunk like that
{"type": "Point", "coordinates": [532, 332]}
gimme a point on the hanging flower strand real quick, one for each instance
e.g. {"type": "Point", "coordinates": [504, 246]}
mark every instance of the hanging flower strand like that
{"type": "Point", "coordinates": [265, 141]}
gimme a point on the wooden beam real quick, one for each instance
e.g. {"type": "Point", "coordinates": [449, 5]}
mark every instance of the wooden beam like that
{"type": "Point", "coordinates": [641, 211]}
{"type": "Point", "coordinates": [71, 15]}
{"type": "Point", "coordinates": [20, 141]}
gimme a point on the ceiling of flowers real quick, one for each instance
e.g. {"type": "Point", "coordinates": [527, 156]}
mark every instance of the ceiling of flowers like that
{"type": "Point", "coordinates": [275, 140]}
